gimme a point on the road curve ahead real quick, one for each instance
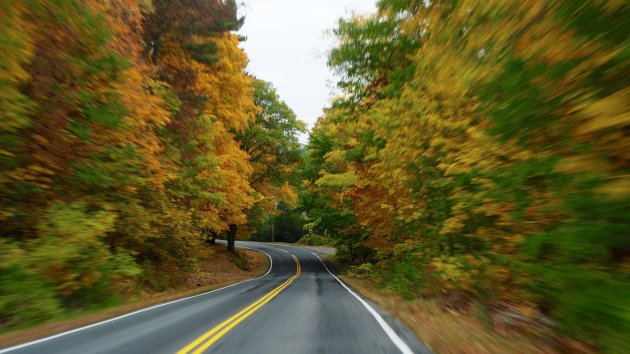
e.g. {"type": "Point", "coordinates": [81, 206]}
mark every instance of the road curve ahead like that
{"type": "Point", "coordinates": [297, 307]}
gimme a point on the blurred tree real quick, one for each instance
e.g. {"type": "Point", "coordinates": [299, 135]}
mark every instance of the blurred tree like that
{"type": "Point", "coordinates": [274, 154]}
{"type": "Point", "coordinates": [185, 19]}
{"type": "Point", "coordinates": [112, 164]}
{"type": "Point", "coordinates": [216, 103]}
{"type": "Point", "coordinates": [483, 160]}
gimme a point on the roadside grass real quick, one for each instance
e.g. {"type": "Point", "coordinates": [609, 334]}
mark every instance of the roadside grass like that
{"type": "Point", "coordinates": [444, 330]}
{"type": "Point", "coordinates": [240, 259]}
{"type": "Point", "coordinates": [334, 264]}
{"type": "Point", "coordinates": [216, 272]}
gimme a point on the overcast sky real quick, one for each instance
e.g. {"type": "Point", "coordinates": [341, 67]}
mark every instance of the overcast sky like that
{"type": "Point", "coordinates": [287, 45]}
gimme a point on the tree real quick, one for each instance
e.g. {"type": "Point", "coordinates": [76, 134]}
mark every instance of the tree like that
{"type": "Point", "coordinates": [114, 164]}
{"type": "Point", "coordinates": [186, 19]}
{"type": "Point", "coordinates": [487, 158]}
{"type": "Point", "coordinates": [274, 152]}
{"type": "Point", "coordinates": [80, 140]}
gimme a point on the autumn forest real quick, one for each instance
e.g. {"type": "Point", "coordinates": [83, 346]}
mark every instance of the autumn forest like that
{"type": "Point", "coordinates": [474, 152]}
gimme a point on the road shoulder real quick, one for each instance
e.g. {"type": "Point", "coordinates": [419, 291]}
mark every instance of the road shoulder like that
{"type": "Point", "coordinates": [199, 282]}
{"type": "Point", "coordinates": [441, 330]}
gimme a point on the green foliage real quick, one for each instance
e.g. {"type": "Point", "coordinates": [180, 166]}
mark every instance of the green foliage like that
{"type": "Point", "coordinates": [36, 302]}
{"type": "Point", "coordinates": [25, 298]}
{"type": "Point", "coordinates": [274, 153]}
{"type": "Point", "coordinates": [240, 262]}
{"type": "Point", "coordinates": [186, 19]}
{"type": "Point", "coordinates": [316, 240]}
{"type": "Point", "coordinates": [366, 271]}
{"type": "Point", "coordinates": [84, 265]}
{"type": "Point", "coordinates": [286, 227]}
{"type": "Point", "coordinates": [206, 53]}
{"type": "Point", "coordinates": [272, 142]}
{"type": "Point", "coordinates": [367, 55]}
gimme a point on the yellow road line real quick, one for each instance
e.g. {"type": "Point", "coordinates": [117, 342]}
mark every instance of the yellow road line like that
{"type": "Point", "coordinates": [207, 339]}
{"type": "Point", "coordinates": [275, 248]}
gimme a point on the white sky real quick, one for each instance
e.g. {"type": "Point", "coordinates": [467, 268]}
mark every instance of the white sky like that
{"type": "Point", "coordinates": [287, 44]}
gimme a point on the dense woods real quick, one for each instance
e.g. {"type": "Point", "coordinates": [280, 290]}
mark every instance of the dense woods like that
{"type": "Point", "coordinates": [476, 152]}
{"type": "Point", "coordinates": [479, 150]}
{"type": "Point", "coordinates": [130, 136]}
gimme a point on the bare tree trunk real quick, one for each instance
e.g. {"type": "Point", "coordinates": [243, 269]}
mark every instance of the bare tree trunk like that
{"type": "Point", "coordinates": [156, 48]}
{"type": "Point", "coordinates": [231, 238]}
{"type": "Point", "coordinates": [351, 252]}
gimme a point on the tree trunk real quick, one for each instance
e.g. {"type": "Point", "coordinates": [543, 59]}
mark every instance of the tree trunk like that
{"type": "Point", "coordinates": [213, 238]}
{"type": "Point", "coordinates": [209, 236]}
{"type": "Point", "coordinates": [156, 49]}
{"type": "Point", "coordinates": [351, 253]}
{"type": "Point", "coordinates": [231, 238]}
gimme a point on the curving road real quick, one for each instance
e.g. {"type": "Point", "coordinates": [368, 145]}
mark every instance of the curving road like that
{"type": "Point", "coordinates": [297, 307]}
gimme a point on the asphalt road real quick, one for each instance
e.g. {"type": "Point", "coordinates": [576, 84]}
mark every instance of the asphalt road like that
{"type": "Point", "coordinates": [297, 307]}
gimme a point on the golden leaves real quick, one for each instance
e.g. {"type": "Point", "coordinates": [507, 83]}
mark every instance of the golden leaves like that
{"type": "Point", "coordinates": [227, 86]}
{"type": "Point", "coordinates": [612, 111]}
{"type": "Point", "coordinates": [617, 189]}
{"type": "Point", "coordinates": [338, 180]}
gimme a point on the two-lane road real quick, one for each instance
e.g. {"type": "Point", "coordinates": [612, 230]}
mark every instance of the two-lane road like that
{"type": "Point", "coordinates": [297, 307]}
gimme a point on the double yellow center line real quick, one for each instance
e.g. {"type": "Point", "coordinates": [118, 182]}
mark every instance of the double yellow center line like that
{"type": "Point", "coordinates": [202, 343]}
{"type": "Point", "coordinates": [275, 248]}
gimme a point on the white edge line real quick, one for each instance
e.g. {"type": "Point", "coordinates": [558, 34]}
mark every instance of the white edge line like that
{"type": "Point", "coordinates": [45, 339]}
{"type": "Point", "coordinates": [402, 346]}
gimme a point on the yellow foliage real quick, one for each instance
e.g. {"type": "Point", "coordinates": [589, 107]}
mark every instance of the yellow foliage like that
{"type": "Point", "coordinates": [227, 86]}
{"type": "Point", "coordinates": [609, 112]}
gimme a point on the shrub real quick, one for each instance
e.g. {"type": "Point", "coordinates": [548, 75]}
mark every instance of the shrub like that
{"type": "Point", "coordinates": [316, 240]}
